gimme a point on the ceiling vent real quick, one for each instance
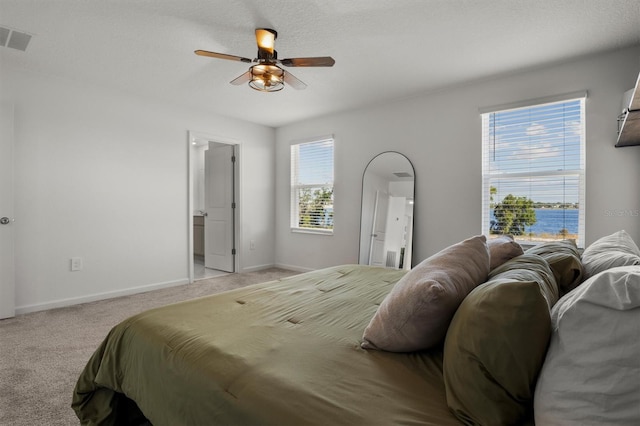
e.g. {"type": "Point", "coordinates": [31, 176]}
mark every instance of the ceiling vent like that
{"type": "Point", "coordinates": [14, 39]}
{"type": "Point", "coordinates": [402, 174]}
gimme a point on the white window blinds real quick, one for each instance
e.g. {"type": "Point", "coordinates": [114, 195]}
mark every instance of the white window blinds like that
{"type": "Point", "coordinates": [312, 186]}
{"type": "Point", "coordinates": [533, 171]}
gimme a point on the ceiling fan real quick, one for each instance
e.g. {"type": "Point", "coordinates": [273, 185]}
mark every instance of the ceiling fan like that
{"type": "Point", "coordinates": [266, 75]}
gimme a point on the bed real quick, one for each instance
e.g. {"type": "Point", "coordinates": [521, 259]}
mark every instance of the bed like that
{"type": "Point", "coordinates": [285, 352]}
{"type": "Point", "coordinates": [547, 336]}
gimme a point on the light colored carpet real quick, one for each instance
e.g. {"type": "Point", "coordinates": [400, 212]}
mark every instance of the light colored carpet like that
{"type": "Point", "coordinates": [43, 353]}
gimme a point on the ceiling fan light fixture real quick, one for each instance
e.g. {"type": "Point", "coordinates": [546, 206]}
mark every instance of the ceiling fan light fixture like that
{"type": "Point", "coordinates": [266, 78]}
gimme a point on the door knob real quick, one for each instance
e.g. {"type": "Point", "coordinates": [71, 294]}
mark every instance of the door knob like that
{"type": "Point", "coordinates": [4, 221]}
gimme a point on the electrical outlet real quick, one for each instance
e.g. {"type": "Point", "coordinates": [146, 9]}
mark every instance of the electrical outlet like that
{"type": "Point", "coordinates": [252, 245]}
{"type": "Point", "coordinates": [76, 264]}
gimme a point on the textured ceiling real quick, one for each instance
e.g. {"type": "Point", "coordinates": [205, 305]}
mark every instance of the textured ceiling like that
{"type": "Point", "coordinates": [384, 50]}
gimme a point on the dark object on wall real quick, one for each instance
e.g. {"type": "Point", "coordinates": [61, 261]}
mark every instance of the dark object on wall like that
{"type": "Point", "coordinates": [629, 131]}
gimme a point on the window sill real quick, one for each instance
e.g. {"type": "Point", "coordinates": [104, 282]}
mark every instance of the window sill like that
{"type": "Point", "coordinates": [328, 232]}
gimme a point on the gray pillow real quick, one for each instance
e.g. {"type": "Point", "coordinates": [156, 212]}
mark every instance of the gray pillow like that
{"type": "Point", "coordinates": [416, 313]}
{"type": "Point", "coordinates": [501, 249]}
{"type": "Point", "coordinates": [617, 249]}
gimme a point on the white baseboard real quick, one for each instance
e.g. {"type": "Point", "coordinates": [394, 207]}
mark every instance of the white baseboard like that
{"type": "Point", "coordinates": [61, 303]}
{"type": "Point", "coordinates": [293, 267]}
{"type": "Point", "coordinates": [258, 267]}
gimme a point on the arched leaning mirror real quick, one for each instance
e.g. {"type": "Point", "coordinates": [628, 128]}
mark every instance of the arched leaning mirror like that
{"type": "Point", "coordinates": [386, 223]}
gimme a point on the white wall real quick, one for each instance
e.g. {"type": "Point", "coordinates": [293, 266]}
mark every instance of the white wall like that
{"type": "Point", "coordinates": [440, 133]}
{"type": "Point", "coordinates": [103, 175]}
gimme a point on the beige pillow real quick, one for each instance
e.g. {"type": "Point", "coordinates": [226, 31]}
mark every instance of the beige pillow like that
{"type": "Point", "coordinates": [501, 249]}
{"type": "Point", "coordinates": [416, 313]}
{"type": "Point", "coordinates": [617, 249]}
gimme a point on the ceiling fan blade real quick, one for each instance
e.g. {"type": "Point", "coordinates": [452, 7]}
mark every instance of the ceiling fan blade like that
{"type": "Point", "coordinates": [222, 56]}
{"type": "Point", "coordinates": [266, 39]}
{"type": "Point", "coordinates": [320, 61]}
{"type": "Point", "coordinates": [244, 78]}
{"type": "Point", "coordinates": [293, 81]}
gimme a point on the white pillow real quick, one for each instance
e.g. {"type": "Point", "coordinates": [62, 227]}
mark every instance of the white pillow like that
{"type": "Point", "coordinates": [591, 374]}
{"type": "Point", "coordinates": [617, 249]}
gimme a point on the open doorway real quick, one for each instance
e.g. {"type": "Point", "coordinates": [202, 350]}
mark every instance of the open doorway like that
{"type": "Point", "coordinates": [213, 213]}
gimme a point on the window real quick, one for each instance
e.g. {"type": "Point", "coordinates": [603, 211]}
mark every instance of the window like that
{"type": "Point", "coordinates": [533, 171]}
{"type": "Point", "coordinates": [312, 186]}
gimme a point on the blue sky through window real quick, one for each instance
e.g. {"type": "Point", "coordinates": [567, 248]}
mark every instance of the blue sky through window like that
{"type": "Point", "coordinates": [315, 163]}
{"type": "Point", "coordinates": [536, 151]}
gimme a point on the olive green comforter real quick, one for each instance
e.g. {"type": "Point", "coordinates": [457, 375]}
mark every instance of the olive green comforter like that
{"type": "Point", "coordinates": [282, 353]}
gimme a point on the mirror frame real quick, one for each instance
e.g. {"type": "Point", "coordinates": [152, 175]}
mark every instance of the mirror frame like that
{"type": "Point", "coordinates": [409, 245]}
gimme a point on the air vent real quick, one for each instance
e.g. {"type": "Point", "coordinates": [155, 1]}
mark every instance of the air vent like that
{"type": "Point", "coordinates": [402, 174]}
{"type": "Point", "coordinates": [14, 39]}
{"type": "Point", "coordinates": [391, 259]}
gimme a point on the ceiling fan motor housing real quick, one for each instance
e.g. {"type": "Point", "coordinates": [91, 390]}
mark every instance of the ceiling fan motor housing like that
{"type": "Point", "coordinates": [266, 39]}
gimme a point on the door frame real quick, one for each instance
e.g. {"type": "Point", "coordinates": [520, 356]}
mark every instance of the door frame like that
{"type": "Point", "coordinates": [196, 136]}
{"type": "Point", "coordinates": [7, 231]}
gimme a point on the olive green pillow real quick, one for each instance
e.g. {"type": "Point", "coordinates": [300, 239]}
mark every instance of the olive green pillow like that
{"type": "Point", "coordinates": [529, 267]}
{"type": "Point", "coordinates": [564, 259]}
{"type": "Point", "coordinates": [496, 345]}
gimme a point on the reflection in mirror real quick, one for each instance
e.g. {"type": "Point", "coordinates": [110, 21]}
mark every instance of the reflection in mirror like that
{"type": "Point", "coordinates": [386, 224]}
